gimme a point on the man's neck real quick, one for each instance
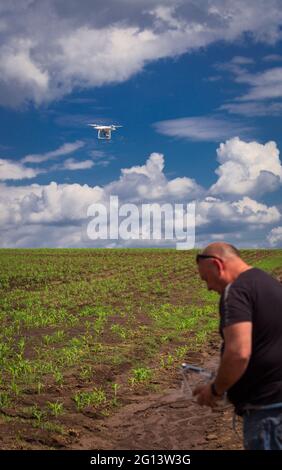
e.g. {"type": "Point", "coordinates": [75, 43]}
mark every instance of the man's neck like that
{"type": "Point", "coordinates": [238, 270]}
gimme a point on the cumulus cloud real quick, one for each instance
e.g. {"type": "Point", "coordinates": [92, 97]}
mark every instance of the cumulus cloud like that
{"type": "Point", "coordinates": [50, 204]}
{"type": "Point", "coordinates": [65, 202]}
{"type": "Point", "coordinates": [241, 212]}
{"type": "Point", "coordinates": [65, 205]}
{"type": "Point", "coordinates": [254, 212]}
{"type": "Point", "coordinates": [56, 214]}
{"type": "Point", "coordinates": [275, 237]}
{"type": "Point", "coordinates": [48, 48]}
{"type": "Point", "coordinates": [201, 128]}
{"type": "Point", "coordinates": [44, 236]}
{"type": "Point", "coordinates": [10, 170]}
{"type": "Point", "coordinates": [148, 182]}
{"type": "Point", "coordinates": [247, 168]}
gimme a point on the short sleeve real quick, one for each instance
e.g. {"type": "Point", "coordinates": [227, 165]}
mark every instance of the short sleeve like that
{"type": "Point", "coordinates": [236, 305]}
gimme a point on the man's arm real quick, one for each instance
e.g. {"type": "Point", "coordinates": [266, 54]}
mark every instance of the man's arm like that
{"type": "Point", "coordinates": [234, 361]}
{"type": "Point", "coordinates": [236, 355]}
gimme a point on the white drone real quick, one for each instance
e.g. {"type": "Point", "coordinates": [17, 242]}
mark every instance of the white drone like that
{"type": "Point", "coordinates": [104, 132]}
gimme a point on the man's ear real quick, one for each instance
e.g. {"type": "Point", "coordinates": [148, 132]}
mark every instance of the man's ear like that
{"type": "Point", "coordinates": [218, 265]}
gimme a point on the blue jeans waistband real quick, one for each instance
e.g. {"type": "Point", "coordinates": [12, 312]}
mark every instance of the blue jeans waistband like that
{"type": "Point", "coordinates": [250, 407]}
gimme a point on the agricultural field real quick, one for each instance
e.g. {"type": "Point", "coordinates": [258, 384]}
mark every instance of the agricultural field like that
{"type": "Point", "coordinates": [91, 343]}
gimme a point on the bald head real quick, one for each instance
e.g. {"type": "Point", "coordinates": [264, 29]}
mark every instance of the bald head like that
{"type": "Point", "coordinates": [222, 250]}
{"type": "Point", "coordinates": [219, 265]}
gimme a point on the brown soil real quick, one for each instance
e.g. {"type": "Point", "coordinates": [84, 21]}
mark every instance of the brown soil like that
{"type": "Point", "coordinates": [167, 421]}
{"type": "Point", "coordinates": [144, 420]}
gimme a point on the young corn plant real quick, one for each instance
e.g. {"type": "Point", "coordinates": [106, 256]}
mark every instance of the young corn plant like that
{"type": "Point", "coordinates": [15, 389]}
{"type": "Point", "coordinates": [38, 414]}
{"type": "Point", "coordinates": [140, 375]}
{"type": "Point", "coordinates": [39, 387]}
{"type": "Point", "coordinates": [5, 400]}
{"type": "Point", "coordinates": [58, 377]}
{"type": "Point", "coordinates": [21, 345]}
{"type": "Point", "coordinates": [120, 331]}
{"type": "Point", "coordinates": [56, 408]}
{"type": "Point", "coordinates": [94, 398]}
{"type": "Point", "coordinates": [86, 372]}
{"type": "Point", "coordinates": [115, 389]}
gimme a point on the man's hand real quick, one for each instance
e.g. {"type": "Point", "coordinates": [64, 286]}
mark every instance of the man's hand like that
{"type": "Point", "coordinates": [205, 395]}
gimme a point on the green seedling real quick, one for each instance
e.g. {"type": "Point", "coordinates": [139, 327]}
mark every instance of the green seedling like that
{"type": "Point", "coordinates": [56, 408]}
{"type": "Point", "coordinates": [58, 377]}
{"type": "Point", "coordinates": [15, 389]}
{"type": "Point", "coordinates": [140, 375]}
{"type": "Point", "coordinates": [39, 387]}
{"type": "Point", "coordinates": [4, 400]}
{"type": "Point", "coordinates": [37, 413]}
{"type": "Point", "coordinates": [115, 389]}
{"type": "Point", "coordinates": [120, 331]}
{"type": "Point", "coordinates": [94, 398]}
{"type": "Point", "coordinates": [86, 372]}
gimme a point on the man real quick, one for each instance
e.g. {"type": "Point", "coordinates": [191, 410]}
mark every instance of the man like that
{"type": "Point", "coordinates": [250, 369]}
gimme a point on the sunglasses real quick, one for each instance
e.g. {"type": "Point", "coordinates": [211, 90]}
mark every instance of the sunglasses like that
{"type": "Point", "coordinates": [199, 257]}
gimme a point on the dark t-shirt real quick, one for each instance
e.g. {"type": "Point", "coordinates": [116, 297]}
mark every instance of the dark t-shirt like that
{"type": "Point", "coordinates": [257, 297]}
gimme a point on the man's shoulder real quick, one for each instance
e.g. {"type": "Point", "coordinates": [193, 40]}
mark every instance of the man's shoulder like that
{"type": "Point", "coordinates": [250, 275]}
{"type": "Point", "coordinates": [255, 279]}
{"type": "Point", "coordinates": [246, 281]}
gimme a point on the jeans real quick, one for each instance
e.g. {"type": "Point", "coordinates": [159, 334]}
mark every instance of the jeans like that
{"type": "Point", "coordinates": [262, 428]}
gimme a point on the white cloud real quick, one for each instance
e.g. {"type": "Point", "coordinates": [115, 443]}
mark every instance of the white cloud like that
{"type": "Point", "coordinates": [17, 170]}
{"type": "Point", "coordinates": [254, 212]}
{"type": "Point", "coordinates": [28, 77]}
{"type": "Point", "coordinates": [264, 85]}
{"type": "Point", "coordinates": [10, 170]}
{"type": "Point", "coordinates": [244, 211]}
{"type": "Point", "coordinates": [49, 48]}
{"type": "Point", "coordinates": [272, 58]}
{"type": "Point", "coordinates": [252, 108]}
{"type": "Point", "coordinates": [56, 214]}
{"type": "Point", "coordinates": [62, 208]}
{"type": "Point", "coordinates": [264, 88]}
{"type": "Point", "coordinates": [54, 203]}
{"type": "Point", "coordinates": [44, 236]}
{"type": "Point", "coordinates": [247, 168]}
{"type": "Point", "coordinates": [275, 236]}
{"type": "Point", "coordinates": [64, 149]}
{"type": "Point", "coordinates": [72, 164]}
{"type": "Point", "coordinates": [242, 60]}
{"type": "Point", "coordinates": [153, 168]}
{"type": "Point", "coordinates": [201, 128]}
{"type": "Point", "coordinates": [148, 182]}
{"type": "Point", "coordinates": [48, 204]}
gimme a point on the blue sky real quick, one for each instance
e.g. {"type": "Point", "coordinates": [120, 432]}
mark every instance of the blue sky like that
{"type": "Point", "coordinates": [184, 79]}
